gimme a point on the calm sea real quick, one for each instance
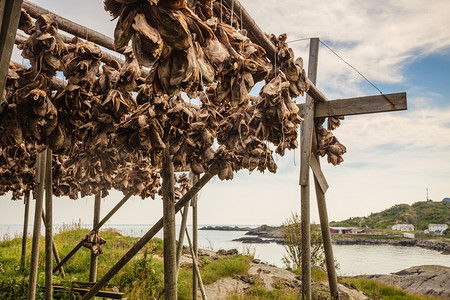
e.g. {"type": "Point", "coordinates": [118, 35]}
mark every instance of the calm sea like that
{"type": "Point", "coordinates": [353, 259]}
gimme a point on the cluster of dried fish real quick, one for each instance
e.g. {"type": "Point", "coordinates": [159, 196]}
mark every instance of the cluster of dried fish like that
{"type": "Point", "coordinates": [327, 143]}
{"type": "Point", "coordinates": [293, 70]}
{"type": "Point", "coordinates": [17, 166]}
{"type": "Point", "coordinates": [93, 242]}
{"type": "Point", "coordinates": [182, 186]}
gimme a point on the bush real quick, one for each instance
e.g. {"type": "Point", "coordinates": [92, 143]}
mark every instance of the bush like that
{"type": "Point", "coordinates": [292, 236]}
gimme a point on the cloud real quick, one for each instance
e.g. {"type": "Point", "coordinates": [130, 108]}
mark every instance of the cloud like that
{"type": "Point", "coordinates": [377, 37]}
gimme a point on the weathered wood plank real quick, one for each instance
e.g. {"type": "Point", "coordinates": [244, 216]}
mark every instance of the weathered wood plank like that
{"type": "Point", "coordinates": [9, 21]}
{"type": "Point", "coordinates": [315, 167]}
{"type": "Point", "coordinates": [359, 105]}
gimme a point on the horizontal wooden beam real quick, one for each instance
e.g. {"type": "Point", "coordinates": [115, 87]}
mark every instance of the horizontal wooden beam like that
{"type": "Point", "coordinates": [359, 105]}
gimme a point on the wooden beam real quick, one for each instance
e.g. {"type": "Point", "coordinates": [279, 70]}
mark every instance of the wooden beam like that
{"type": "Point", "coordinates": [94, 257]}
{"type": "Point", "coordinates": [40, 174]}
{"type": "Point", "coordinates": [359, 105]}
{"type": "Point", "coordinates": [26, 201]}
{"type": "Point", "coordinates": [181, 235]}
{"type": "Point", "coordinates": [170, 246]}
{"type": "Point", "coordinates": [196, 269]}
{"type": "Point", "coordinates": [317, 171]}
{"type": "Point", "coordinates": [49, 225]}
{"type": "Point", "coordinates": [194, 179]}
{"type": "Point", "coordinates": [55, 250]}
{"type": "Point", "coordinates": [71, 27]}
{"type": "Point", "coordinates": [146, 238]}
{"type": "Point", "coordinates": [307, 130]}
{"type": "Point", "coordinates": [10, 16]}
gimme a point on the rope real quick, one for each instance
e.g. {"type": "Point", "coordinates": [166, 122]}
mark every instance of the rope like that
{"type": "Point", "coordinates": [347, 63]}
{"type": "Point", "coordinates": [334, 52]}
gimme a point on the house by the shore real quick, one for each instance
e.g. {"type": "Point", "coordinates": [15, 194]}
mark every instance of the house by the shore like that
{"type": "Point", "coordinates": [346, 230]}
{"type": "Point", "coordinates": [403, 227]}
{"type": "Point", "coordinates": [437, 228]}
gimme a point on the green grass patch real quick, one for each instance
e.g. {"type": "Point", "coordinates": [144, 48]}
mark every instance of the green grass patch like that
{"type": "Point", "coordinates": [141, 278]}
{"type": "Point", "coordinates": [225, 266]}
{"type": "Point", "coordinates": [379, 290]}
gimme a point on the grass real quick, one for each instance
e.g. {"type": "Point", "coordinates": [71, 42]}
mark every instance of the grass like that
{"type": "Point", "coordinates": [378, 290]}
{"type": "Point", "coordinates": [141, 278]}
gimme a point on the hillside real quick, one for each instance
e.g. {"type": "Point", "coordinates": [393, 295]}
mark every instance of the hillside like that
{"type": "Point", "coordinates": [420, 214]}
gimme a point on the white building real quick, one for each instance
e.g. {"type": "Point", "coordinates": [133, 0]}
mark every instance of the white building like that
{"type": "Point", "coordinates": [437, 228]}
{"type": "Point", "coordinates": [403, 227]}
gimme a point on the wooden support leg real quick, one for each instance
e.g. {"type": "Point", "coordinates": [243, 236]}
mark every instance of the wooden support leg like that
{"type": "Point", "coordinates": [326, 236]}
{"type": "Point", "coordinates": [181, 235]}
{"type": "Point", "coordinates": [55, 250]}
{"type": "Point", "coordinates": [99, 225]}
{"type": "Point", "coordinates": [49, 226]}
{"type": "Point", "coordinates": [168, 193]}
{"type": "Point", "coordinates": [194, 234]}
{"type": "Point", "coordinates": [146, 238]}
{"type": "Point", "coordinates": [40, 168]}
{"type": "Point", "coordinates": [196, 269]}
{"type": "Point", "coordinates": [94, 257]}
{"type": "Point", "coordinates": [306, 243]}
{"type": "Point", "coordinates": [26, 201]}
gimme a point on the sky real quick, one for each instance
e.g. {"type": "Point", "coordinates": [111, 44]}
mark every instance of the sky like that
{"type": "Point", "coordinates": [392, 158]}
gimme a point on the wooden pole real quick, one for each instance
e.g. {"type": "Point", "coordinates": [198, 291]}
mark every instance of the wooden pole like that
{"type": "Point", "coordinates": [306, 139]}
{"type": "Point", "coordinates": [40, 169]}
{"type": "Point", "coordinates": [181, 235]}
{"type": "Point", "coordinates": [196, 269]}
{"type": "Point", "coordinates": [71, 27]}
{"type": "Point", "coordinates": [146, 238]}
{"type": "Point", "coordinates": [26, 201]}
{"type": "Point", "coordinates": [10, 16]}
{"type": "Point", "coordinates": [55, 250]}
{"type": "Point", "coordinates": [94, 257]}
{"type": "Point", "coordinates": [324, 226]}
{"type": "Point", "coordinates": [194, 203]}
{"type": "Point", "coordinates": [170, 246]}
{"type": "Point", "coordinates": [49, 226]}
{"type": "Point", "coordinates": [99, 225]}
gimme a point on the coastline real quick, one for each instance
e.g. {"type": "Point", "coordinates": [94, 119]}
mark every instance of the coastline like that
{"type": "Point", "coordinates": [272, 234]}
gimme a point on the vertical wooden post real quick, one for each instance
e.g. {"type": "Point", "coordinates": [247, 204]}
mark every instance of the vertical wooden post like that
{"type": "Point", "coordinates": [55, 251]}
{"type": "Point", "coordinates": [94, 257]}
{"type": "Point", "coordinates": [9, 20]}
{"type": "Point", "coordinates": [49, 226]}
{"type": "Point", "coordinates": [40, 169]}
{"type": "Point", "coordinates": [306, 139]}
{"type": "Point", "coordinates": [170, 266]}
{"type": "Point", "coordinates": [26, 201]}
{"type": "Point", "coordinates": [194, 204]}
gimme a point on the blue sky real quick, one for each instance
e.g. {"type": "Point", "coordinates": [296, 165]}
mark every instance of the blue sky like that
{"type": "Point", "coordinates": [401, 46]}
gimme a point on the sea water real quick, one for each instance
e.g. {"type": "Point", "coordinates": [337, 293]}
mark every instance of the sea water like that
{"type": "Point", "coordinates": [352, 259]}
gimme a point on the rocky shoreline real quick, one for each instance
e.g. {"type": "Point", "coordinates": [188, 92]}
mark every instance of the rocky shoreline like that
{"type": "Point", "coordinates": [443, 247]}
{"type": "Point", "coordinates": [267, 234]}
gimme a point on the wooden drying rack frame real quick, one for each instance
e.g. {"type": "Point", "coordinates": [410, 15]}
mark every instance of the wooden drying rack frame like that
{"type": "Point", "coordinates": [317, 105]}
